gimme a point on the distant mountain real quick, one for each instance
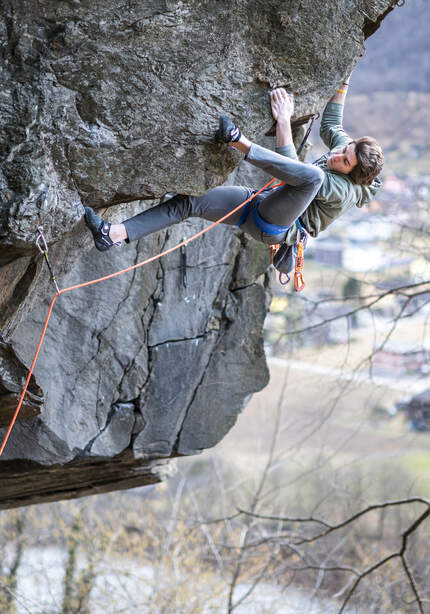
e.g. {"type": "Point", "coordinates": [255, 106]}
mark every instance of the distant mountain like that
{"type": "Point", "coordinates": [397, 57]}
{"type": "Point", "coordinates": [389, 96]}
{"type": "Point", "coordinates": [400, 121]}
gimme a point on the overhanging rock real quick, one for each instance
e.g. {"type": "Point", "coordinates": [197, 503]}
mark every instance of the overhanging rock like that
{"type": "Point", "coordinates": [109, 103]}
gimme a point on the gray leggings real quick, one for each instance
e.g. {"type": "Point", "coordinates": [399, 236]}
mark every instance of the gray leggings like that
{"type": "Point", "coordinates": [281, 206]}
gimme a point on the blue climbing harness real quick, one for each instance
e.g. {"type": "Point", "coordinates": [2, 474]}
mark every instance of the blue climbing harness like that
{"type": "Point", "coordinates": [266, 227]}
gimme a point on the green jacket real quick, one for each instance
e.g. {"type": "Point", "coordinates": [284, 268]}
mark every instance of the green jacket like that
{"type": "Point", "coordinates": [338, 192]}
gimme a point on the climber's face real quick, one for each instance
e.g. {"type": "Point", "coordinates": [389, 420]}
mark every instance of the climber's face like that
{"type": "Point", "coordinates": [344, 160]}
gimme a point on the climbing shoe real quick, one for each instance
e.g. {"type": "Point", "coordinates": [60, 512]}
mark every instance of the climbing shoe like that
{"type": "Point", "coordinates": [100, 229]}
{"type": "Point", "coordinates": [227, 131]}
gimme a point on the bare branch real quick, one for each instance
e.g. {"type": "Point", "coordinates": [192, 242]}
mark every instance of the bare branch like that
{"type": "Point", "coordinates": [412, 583]}
{"type": "Point", "coordinates": [376, 299]}
{"type": "Point", "coordinates": [330, 528]}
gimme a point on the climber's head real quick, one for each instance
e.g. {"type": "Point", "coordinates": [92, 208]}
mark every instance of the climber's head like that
{"type": "Point", "coordinates": [361, 159]}
{"type": "Point", "coordinates": [343, 160]}
{"type": "Point", "coordinates": [370, 160]}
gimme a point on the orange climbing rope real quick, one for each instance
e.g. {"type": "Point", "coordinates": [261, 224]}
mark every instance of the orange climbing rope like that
{"type": "Point", "coordinates": [96, 281]}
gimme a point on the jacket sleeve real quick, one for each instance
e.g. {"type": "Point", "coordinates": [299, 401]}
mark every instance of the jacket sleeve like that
{"type": "Point", "coordinates": [287, 150]}
{"type": "Point", "coordinates": [331, 130]}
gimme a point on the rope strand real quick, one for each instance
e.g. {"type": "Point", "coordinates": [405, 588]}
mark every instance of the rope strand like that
{"type": "Point", "coordinates": [112, 275]}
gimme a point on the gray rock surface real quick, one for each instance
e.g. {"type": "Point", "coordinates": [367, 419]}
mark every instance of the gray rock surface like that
{"type": "Point", "coordinates": [139, 367]}
{"type": "Point", "coordinates": [111, 102]}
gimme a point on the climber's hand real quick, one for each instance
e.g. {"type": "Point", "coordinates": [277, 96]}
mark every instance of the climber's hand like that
{"type": "Point", "coordinates": [282, 104]}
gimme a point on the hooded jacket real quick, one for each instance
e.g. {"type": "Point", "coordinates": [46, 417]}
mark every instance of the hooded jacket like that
{"type": "Point", "coordinates": [338, 192]}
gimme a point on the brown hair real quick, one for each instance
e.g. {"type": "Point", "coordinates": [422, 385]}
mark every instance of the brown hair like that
{"type": "Point", "coordinates": [370, 160]}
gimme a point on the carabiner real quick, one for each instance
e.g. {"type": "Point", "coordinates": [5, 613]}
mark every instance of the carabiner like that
{"type": "Point", "coordinates": [41, 237]}
{"type": "Point", "coordinates": [44, 251]}
{"type": "Point", "coordinates": [281, 280]}
{"type": "Point", "coordinates": [299, 282]}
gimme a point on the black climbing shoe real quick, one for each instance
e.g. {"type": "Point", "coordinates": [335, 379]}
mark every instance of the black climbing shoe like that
{"type": "Point", "coordinates": [167, 197]}
{"type": "Point", "coordinates": [227, 131]}
{"type": "Point", "coordinates": [100, 229]}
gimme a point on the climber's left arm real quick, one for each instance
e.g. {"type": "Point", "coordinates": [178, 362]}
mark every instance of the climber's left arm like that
{"type": "Point", "coordinates": [331, 130]}
{"type": "Point", "coordinates": [341, 92]}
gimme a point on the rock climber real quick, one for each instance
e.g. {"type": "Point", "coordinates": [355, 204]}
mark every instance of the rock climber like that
{"type": "Point", "coordinates": [317, 193]}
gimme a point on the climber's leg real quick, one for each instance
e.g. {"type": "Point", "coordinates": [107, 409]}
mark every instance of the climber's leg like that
{"type": "Point", "coordinates": [211, 206]}
{"type": "Point", "coordinates": [280, 207]}
{"type": "Point", "coordinates": [284, 205]}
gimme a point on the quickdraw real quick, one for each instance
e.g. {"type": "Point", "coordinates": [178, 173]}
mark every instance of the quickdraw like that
{"type": "Point", "coordinates": [286, 257]}
{"type": "Point", "coordinates": [302, 234]}
{"type": "Point", "coordinates": [308, 131]}
{"type": "Point", "coordinates": [43, 249]}
{"type": "Point", "coordinates": [184, 266]}
{"type": "Point", "coordinates": [301, 241]}
{"type": "Point", "coordinates": [299, 282]}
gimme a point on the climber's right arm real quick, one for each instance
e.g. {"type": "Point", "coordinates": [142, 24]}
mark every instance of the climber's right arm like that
{"type": "Point", "coordinates": [282, 108]}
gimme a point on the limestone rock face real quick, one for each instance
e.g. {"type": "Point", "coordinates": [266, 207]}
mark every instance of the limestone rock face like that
{"type": "Point", "coordinates": [108, 103]}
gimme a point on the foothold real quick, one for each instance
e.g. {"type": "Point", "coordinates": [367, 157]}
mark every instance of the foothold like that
{"type": "Point", "coordinates": [285, 19]}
